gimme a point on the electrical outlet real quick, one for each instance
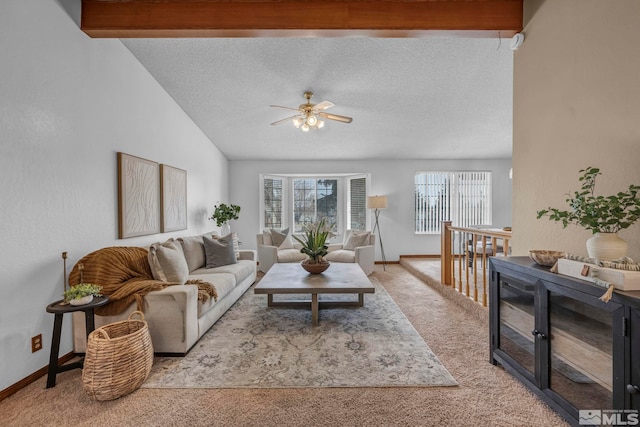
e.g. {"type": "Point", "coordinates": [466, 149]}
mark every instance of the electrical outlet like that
{"type": "Point", "coordinates": [36, 343]}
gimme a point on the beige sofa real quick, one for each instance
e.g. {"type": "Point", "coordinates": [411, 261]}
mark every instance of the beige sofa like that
{"type": "Point", "coordinates": [175, 316]}
{"type": "Point", "coordinates": [364, 255]}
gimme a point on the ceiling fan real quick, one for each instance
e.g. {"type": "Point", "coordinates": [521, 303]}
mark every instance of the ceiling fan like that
{"type": "Point", "coordinates": [309, 114]}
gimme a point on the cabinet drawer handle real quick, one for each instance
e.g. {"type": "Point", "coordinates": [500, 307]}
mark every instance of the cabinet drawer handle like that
{"type": "Point", "coordinates": [633, 389]}
{"type": "Point", "coordinates": [536, 333]}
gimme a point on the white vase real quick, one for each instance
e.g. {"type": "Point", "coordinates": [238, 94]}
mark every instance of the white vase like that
{"type": "Point", "coordinates": [225, 229]}
{"type": "Point", "coordinates": [81, 300]}
{"type": "Point", "coordinates": [606, 246]}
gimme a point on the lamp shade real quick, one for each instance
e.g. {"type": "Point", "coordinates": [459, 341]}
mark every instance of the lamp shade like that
{"type": "Point", "coordinates": [377, 202]}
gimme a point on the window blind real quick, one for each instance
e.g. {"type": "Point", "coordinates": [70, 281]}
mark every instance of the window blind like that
{"type": "Point", "coordinates": [464, 198]}
{"type": "Point", "coordinates": [358, 203]}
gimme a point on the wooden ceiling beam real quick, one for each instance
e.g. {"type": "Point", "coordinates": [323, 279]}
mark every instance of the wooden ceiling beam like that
{"type": "Point", "coordinates": [300, 18]}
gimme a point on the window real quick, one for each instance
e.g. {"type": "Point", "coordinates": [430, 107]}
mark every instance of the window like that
{"type": "Point", "coordinates": [272, 203]}
{"type": "Point", "coordinates": [464, 198]}
{"type": "Point", "coordinates": [295, 201]}
{"type": "Point", "coordinates": [314, 199]}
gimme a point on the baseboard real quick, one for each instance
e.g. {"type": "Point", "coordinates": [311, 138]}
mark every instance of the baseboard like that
{"type": "Point", "coordinates": [33, 377]}
{"type": "Point", "coordinates": [386, 262]}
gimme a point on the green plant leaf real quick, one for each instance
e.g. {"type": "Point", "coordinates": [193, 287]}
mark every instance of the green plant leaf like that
{"type": "Point", "coordinates": [597, 213]}
{"type": "Point", "coordinates": [223, 213]}
{"type": "Point", "coordinates": [82, 290]}
{"type": "Point", "coordinates": [314, 239]}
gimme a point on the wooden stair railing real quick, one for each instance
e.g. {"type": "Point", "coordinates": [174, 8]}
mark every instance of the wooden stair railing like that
{"type": "Point", "coordinates": [455, 243]}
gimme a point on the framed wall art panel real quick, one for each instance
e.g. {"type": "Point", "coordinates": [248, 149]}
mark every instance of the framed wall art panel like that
{"type": "Point", "coordinates": [173, 198]}
{"type": "Point", "coordinates": [138, 196]}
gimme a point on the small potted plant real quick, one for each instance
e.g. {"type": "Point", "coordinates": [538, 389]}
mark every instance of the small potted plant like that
{"type": "Point", "coordinates": [604, 216]}
{"type": "Point", "coordinates": [314, 245]}
{"type": "Point", "coordinates": [82, 293]}
{"type": "Point", "coordinates": [224, 213]}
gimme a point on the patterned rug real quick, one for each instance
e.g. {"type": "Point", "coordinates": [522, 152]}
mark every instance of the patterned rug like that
{"type": "Point", "coordinates": [253, 346]}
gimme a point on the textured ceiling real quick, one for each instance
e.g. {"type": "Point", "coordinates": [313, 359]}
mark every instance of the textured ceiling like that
{"type": "Point", "coordinates": [414, 98]}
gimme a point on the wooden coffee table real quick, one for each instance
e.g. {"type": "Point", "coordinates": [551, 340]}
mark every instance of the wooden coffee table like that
{"type": "Point", "coordinates": [291, 278]}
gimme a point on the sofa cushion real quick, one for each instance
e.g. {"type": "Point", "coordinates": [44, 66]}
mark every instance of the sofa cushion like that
{"type": "Point", "coordinates": [240, 270]}
{"type": "Point", "coordinates": [290, 255]}
{"type": "Point", "coordinates": [219, 252]}
{"type": "Point", "coordinates": [223, 282]}
{"type": "Point", "coordinates": [356, 239]}
{"type": "Point", "coordinates": [193, 248]}
{"type": "Point", "coordinates": [341, 255]}
{"type": "Point", "coordinates": [167, 262]}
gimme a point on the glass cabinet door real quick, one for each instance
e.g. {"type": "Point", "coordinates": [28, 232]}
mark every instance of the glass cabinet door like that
{"type": "Point", "coordinates": [516, 321]}
{"type": "Point", "coordinates": [581, 352]}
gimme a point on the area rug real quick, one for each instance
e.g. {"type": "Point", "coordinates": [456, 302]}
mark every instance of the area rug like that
{"type": "Point", "coordinates": [254, 346]}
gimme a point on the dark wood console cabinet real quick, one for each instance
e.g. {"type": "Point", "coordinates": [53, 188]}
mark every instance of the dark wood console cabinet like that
{"type": "Point", "coordinates": [554, 334]}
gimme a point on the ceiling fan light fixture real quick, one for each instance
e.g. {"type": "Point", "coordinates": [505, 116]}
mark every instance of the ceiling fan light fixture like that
{"type": "Point", "coordinates": [309, 115]}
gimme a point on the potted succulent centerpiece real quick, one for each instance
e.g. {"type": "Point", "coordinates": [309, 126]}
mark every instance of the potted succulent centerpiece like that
{"type": "Point", "coordinates": [224, 213]}
{"type": "Point", "coordinates": [314, 245]}
{"type": "Point", "coordinates": [82, 293]}
{"type": "Point", "coordinates": [604, 216]}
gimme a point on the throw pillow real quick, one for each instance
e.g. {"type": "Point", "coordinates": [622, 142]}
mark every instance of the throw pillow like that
{"type": "Point", "coordinates": [167, 262]}
{"type": "Point", "coordinates": [193, 248]}
{"type": "Point", "coordinates": [356, 239]}
{"type": "Point", "coordinates": [287, 243]}
{"type": "Point", "coordinates": [278, 236]}
{"type": "Point", "coordinates": [236, 242]}
{"type": "Point", "coordinates": [219, 252]}
{"type": "Point", "coordinates": [236, 245]}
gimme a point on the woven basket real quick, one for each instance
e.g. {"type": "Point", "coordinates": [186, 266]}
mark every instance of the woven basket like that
{"type": "Point", "coordinates": [118, 358]}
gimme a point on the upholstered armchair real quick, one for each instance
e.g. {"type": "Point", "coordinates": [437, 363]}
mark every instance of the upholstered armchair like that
{"type": "Point", "coordinates": [269, 253]}
{"type": "Point", "coordinates": [357, 248]}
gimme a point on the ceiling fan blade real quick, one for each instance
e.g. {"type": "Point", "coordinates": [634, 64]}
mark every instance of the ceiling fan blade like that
{"type": "Point", "coordinates": [286, 108]}
{"type": "Point", "coordinates": [336, 117]}
{"type": "Point", "coordinates": [324, 105]}
{"type": "Point", "coordinates": [285, 120]}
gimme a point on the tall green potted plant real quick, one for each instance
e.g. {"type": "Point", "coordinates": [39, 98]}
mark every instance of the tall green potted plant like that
{"type": "Point", "coordinates": [604, 216]}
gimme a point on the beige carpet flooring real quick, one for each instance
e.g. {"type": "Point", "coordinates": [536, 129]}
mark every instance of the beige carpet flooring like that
{"type": "Point", "coordinates": [486, 396]}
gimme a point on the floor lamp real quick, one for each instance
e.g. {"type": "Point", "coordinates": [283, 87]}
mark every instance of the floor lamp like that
{"type": "Point", "coordinates": [377, 203]}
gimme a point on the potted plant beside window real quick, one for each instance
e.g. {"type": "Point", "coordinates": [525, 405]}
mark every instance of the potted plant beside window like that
{"type": "Point", "coordinates": [604, 216]}
{"type": "Point", "coordinates": [314, 246]}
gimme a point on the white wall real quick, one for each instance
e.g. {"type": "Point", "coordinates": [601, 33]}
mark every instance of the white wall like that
{"type": "Point", "coordinates": [393, 178]}
{"type": "Point", "coordinates": [67, 105]}
{"type": "Point", "coordinates": [576, 104]}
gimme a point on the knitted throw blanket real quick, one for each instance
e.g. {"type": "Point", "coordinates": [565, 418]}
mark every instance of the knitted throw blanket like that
{"type": "Point", "coordinates": [125, 276]}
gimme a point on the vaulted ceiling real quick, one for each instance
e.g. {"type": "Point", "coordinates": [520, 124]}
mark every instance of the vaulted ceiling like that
{"type": "Point", "coordinates": [440, 88]}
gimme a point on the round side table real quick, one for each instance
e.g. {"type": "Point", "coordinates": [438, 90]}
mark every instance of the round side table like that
{"type": "Point", "coordinates": [59, 310]}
